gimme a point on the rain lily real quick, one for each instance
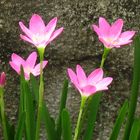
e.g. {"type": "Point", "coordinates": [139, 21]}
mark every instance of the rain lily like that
{"type": "Point", "coordinates": [28, 64]}
{"type": "Point", "coordinates": [39, 34]}
{"type": "Point", "coordinates": [111, 35]}
{"type": "Point", "coordinates": [91, 84]}
{"type": "Point", "coordinates": [2, 79]}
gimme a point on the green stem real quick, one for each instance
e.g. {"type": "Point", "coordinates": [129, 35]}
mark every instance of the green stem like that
{"type": "Point", "coordinates": [93, 103]}
{"type": "Point", "coordinates": [41, 91]}
{"type": "Point", "coordinates": [79, 121]}
{"type": "Point", "coordinates": [3, 115]}
{"type": "Point", "coordinates": [104, 56]}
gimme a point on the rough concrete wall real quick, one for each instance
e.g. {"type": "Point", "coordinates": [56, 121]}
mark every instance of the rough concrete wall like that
{"type": "Point", "coordinates": [77, 40]}
{"type": "Point", "coordinates": [77, 44]}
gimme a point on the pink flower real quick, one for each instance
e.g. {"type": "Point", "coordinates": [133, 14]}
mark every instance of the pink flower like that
{"type": "Point", "coordinates": [111, 35]}
{"type": "Point", "coordinates": [2, 79]}
{"type": "Point", "coordinates": [91, 84]}
{"type": "Point", "coordinates": [28, 64]}
{"type": "Point", "coordinates": [39, 34]}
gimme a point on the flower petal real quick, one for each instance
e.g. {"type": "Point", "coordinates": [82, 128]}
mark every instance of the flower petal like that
{"type": "Point", "coordinates": [95, 76]}
{"type": "Point", "coordinates": [106, 44]}
{"type": "Point", "coordinates": [36, 24]}
{"type": "Point", "coordinates": [15, 67]}
{"type": "Point", "coordinates": [97, 30]}
{"type": "Point", "coordinates": [56, 33]}
{"type": "Point", "coordinates": [36, 70]}
{"type": "Point", "coordinates": [31, 60]}
{"type": "Point", "coordinates": [27, 75]}
{"type": "Point", "coordinates": [49, 29]}
{"type": "Point", "coordinates": [88, 90]}
{"type": "Point", "coordinates": [2, 79]}
{"type": "Point", "coordinates": [116, 29]}
{"type": "Point", "coordinates": [104, 26]}
{"type": "Point", "coordinates": [81, 76]}
{"type": "Point", "coordinates": [72, 77]}
{"type": "Point", "coordinates": [125, 36]}
{"type": "Point", "coordinates": [120, 44]}
{"type": "Point", "coordinates": [26, 38]}
{"type": "Point", "coordinates": [102, 85]}
{"type": "Point", "coordinates": [25, 30]}
{"type": "Point", "coordinates": [17, 59]}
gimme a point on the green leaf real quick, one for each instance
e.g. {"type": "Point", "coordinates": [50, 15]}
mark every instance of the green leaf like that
{"type": "Point", "coordinates": [66, 125]}
{"type": "Point", "coordinates": [93, 106]}
{"type": "Point", "coordinates": [119, 121]}
{"type": "Point", "coordinates": [62, 106]}
{"type": "Point", "coordinates": [135, 130]}
{"type": "Point", "coordinates": [34, 88]}
{"type": "Point", "coordinates": [20, 127]}
{"type": "Point", "coordinates": [30, 111]}
{"type": "Point", "coordinates": [26, 105]}
{"type": "Point", "coordinates": [134, 88]}
{"type": "Point", "coordinates": [49, 123]}
{"type": "Point", "coordinates": [10, 129]}
{"type": "Point", "coordinates": [21, 103]}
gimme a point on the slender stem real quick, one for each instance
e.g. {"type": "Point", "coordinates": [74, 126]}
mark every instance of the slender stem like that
{"type": "Point", "coordinates": [3, 115]}
{"type": "Point", "coordinates": [79, 121]}
{"type": "Point", "coordinates": [41, 92]}
{"type": "Point", "coordinates": [27, 120]}
{"type": "Point", "coordinates": [104, 56]}
{"type": "Point", "coordinates": [93, 104]}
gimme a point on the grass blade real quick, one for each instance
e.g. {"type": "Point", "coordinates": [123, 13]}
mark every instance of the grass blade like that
{"type": "Point", "coordinates": [135, 131]}
{"type": "Point", "coordinates": [62, 106]}
{"type": "Point", "coordinates": [20, 127]}
{"type": "Point", "coordinates": [93, 109]}
{"type": "Point", "coordinates": [49, 123]}
{"type": "Point", "coordinates": [119, 121]}
{"type": "Point", "coordinates": [134, 88]}
{"type": "Point", "coordinates": [34, 88]}
{"type": "Point", "coordinates": [30, 111]}
{"type": "Point", "coordinates": [66, 125]}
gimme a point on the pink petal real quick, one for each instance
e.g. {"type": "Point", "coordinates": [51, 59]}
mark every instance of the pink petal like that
{"type": "Point", "coordinates": [120, 44]}
{"type": "Point", "coordinates": [2, 79]}
{"type": "Point", "coordinates": [102, 85]}
{"type": "Point", "coordinates": [125, 36]}
{"type": "Point", "coordinates": [88, 90]}
{"type": "Point", "coordinates": [36, 70]}
{"type": "Point", "coordinates": [81, 76]}
{"type": "Point", "coordinates": [95, 76]}
{"type": "Point", "coordinates": [106, 44]}
{"type": "Point", "coordinates": [15, 67]}
{"type": "Point", "coordinates": [27, 76]}
{"type": "Point", "coordinates": [26, 38]}
{"type": "Point", "coordinates": [97, 30]}
{"type": "Point", "coordinates": [36, 24]}
{"type": "Point", "coordinates": [116, 29]}
{"type": "Point", "coordinates": [17, 59]}
{"type": "Point", "coordinates": [31, 60]}
{"type": "Point", "coordinates": [56, 33]}
{"type": "Point", "coordinates": [104, 26]}
{"type": "Point", "coordinates": [25, 30]}
{"type": "Point", "coordinates": [72, 77]}
{"type": "Point", "coordinates": [49, 29]}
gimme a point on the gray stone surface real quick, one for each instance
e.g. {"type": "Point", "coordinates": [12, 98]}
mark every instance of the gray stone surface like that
{"type": "Point", "coordinates": [77, 44]}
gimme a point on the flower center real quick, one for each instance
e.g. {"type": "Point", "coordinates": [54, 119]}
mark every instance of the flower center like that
{"type": "Point", "coordinates": [37, 38]}
{"type": "Point", "coordinates": [111, 41]}
{"type": "Point", "coordinates": [27, 70]}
